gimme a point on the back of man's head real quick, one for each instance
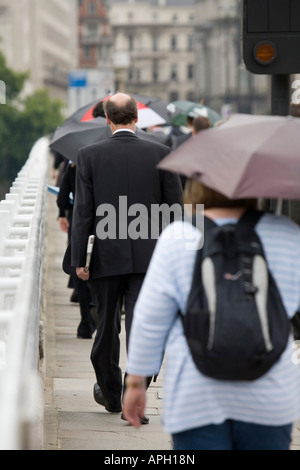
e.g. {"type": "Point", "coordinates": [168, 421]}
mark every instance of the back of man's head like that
{"type": "Point", "coordinates": [121, 109]}
{"type": "Point", "coordinates": [200, 123]}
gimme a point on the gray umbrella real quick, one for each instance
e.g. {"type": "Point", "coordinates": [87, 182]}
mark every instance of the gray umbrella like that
{"type": "Point", "coordinates": [248, 156]}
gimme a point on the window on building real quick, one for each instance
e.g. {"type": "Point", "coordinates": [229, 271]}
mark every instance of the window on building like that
{"type": "Point", "coordinates": [155, 71]}
{"type": "Point", "coordinates": [155, 43]}
{"type": "Point", "coordinates": [175, 19]}
{"type": "Point", "coordinates": [130, 42]}
{"type": "Point", "coordinates": [92, 28]}
{"type": "Point", "coordinates": [104, 51]}
{"type": "Point", "coordinates": [130, 74]}
{"type": "Point", "coordinates": [173, 72]}
{"type": "Point", "coordinates": [92, 8]}
{"type": "Point", "coordinates": [86, 52]}
{"type": "Point", "coordinates": [173, 96]}
{"type": "Point", "coordinates": [190, 72]}
{"type": "Point", "coordinates": [173, 43]}
{"type": "Point", "coordinates": [190, 43]}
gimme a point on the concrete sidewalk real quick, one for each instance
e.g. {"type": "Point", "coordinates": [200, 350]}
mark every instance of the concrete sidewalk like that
{"type": "Point", "coordinates": [72, 419]}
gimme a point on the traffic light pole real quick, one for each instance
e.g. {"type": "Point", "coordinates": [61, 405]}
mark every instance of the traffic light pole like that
{"type": "Point", "coordinates": [280, 94]}
{"type": "Point", "coordinates": [280, 106]}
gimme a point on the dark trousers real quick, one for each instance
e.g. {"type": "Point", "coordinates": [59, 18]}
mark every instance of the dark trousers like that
{"type": "Point", "coordinates": [109, 294]}
{"type": "Point", "coordinates": [85, 299]}
{"type": "Point", "coordinates": [234, 435]}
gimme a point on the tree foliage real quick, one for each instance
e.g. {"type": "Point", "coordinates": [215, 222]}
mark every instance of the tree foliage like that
{"type": "Point", "coordinates": [22, 122]}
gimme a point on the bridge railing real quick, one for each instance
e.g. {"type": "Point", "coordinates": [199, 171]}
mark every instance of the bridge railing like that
{"type": "Point", "coordinates": [22, 226]}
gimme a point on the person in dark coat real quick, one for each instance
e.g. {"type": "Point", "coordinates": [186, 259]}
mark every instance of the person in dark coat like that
{"type": "Point", "coordinates": [113, 176]}
{"type": "Point", "coordinates": [64, 201]}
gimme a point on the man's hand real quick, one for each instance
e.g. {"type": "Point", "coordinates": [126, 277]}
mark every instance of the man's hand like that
{"type": "Point", "coordinates": [134, 400]}
{"type": "Point", "coordinates": [64, 224]}
{"type": "Point", "coordinates": [82, 274]}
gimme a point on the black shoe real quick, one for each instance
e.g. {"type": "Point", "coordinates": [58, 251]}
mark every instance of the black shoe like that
{"type": "Point", "coordinates": [144, 419]}
{"type": "Point", "coordinates": [84, 331]}
{"type": "Point", "coordinates": [99, 398]}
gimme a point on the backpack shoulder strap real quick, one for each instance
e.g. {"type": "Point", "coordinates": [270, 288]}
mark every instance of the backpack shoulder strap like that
{"type": "Point", "coordinates": [250, 218]}
{"type": "Point", "coordinates": [246, 227]}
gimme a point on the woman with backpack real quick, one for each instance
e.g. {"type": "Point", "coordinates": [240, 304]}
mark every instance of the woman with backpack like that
{"type": "Point", "coordinates": [201, 412]}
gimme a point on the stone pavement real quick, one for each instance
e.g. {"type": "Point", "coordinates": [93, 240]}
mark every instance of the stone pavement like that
{"type": "Point", "coordinates": [72, 419]}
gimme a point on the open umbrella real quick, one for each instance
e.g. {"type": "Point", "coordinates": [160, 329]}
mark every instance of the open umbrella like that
{"type": "Point", "coordinates": [180, 110]}
{"type": "Point", "coordinates": [71, 136]}
{"type": "Point", "coordinates": [152, 111]}
{"type": "Point", "coordinates": [82, 128]}
{"type": "Point", "coordinates": [248, 156]}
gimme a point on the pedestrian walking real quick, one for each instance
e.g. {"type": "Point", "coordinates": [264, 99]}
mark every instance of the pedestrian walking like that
{"type": "Point", "coordinates": [200, 123]}
{"type": "Point", "coordinates": [113, 177]}
{"type": "Point", "coordinates": [67, 191]}
{"type": "Point", "coordinates": [197, 124]}
{"type": "Point", "coordinates": [202, 413]}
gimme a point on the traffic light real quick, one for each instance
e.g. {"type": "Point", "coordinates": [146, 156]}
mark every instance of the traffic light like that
{"type": "Point", "coordinates": [271, 36]}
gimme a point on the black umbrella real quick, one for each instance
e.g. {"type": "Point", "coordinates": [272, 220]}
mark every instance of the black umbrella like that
{"type": "Point", "coordinates": [70, 137]}
{"type": "Point", "coordinates": [82, 128]}
{"type": "Point", "coordinates": [152, 111]}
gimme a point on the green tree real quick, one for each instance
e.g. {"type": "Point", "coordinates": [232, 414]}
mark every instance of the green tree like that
{"type": "Point", "coordinates": [40, 117]}
{"type": "Point", "coordinates": [22, 123]}
{"type": "Point", "coordinates": [14, 81]}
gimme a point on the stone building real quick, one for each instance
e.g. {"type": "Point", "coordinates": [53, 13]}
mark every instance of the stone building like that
{"type": "Point", "coordinates": [40, 36]}
{"type": "Point", "coordinates": [95, 39]}
{"type": "Point", "coordinates": [185, 49]}
{"type": "Point", "coordinates": [153, 47]}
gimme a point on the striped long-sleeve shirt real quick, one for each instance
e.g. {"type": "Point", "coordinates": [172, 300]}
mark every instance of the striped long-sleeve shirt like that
{"type": "Point", "coordinates": [191, 399]}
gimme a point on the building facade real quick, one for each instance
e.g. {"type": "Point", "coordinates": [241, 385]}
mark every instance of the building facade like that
{"type": "Point", "coordinates": [222, 79]}
{"type": "Point", "coordinates": [153, 47]}
{"type": "Point", "coordinates": [40, 36]}
{"type": "Point", "coordinates": [95, 36]}
{"type": "Point", "coordinates": [188, 50]}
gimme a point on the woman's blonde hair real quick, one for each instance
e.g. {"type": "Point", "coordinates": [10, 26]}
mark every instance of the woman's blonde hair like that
{"type": "Point", "coordinates": [197, 193]}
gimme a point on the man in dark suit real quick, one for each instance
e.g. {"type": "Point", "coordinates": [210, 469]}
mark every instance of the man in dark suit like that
{"type": "Point", "coordinates": [116, 178]}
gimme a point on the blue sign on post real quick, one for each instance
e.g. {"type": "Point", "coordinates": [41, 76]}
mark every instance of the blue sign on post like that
{"type": "Point", "coordinates": [77, 80]}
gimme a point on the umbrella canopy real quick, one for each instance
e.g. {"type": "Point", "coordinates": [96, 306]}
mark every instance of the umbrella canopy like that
{"type": "Point", "coordinates": [246, 157]}
{"type": "Point", "coordinates": [81, 128]}
{"type": "Point", "coordinates": [180, 110]}
{"type": "Point", "coordinates": [71, 136]}
{"type": "Point", "coordinates": [151, 111]}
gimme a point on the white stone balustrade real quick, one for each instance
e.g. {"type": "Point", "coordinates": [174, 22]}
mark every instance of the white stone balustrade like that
{"type": "Point", "coordinates": [22, 221]}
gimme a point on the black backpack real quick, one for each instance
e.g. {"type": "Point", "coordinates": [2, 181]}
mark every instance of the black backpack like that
{"type": "Point", "coordinates": [235, 323]}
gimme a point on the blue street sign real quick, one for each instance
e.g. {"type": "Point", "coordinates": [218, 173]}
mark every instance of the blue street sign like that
{"type": "Point", "coordinates": [77, 80]}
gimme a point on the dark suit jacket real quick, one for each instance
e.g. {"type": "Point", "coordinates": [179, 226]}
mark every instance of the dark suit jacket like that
{"type": "Point", "coordinates": [123, 165]}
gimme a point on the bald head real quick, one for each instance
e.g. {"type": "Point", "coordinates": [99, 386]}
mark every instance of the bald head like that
{"type": "Point", "coordinates": [121, 110]}
{"type": "Point", "coordinates": [120, 99]}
